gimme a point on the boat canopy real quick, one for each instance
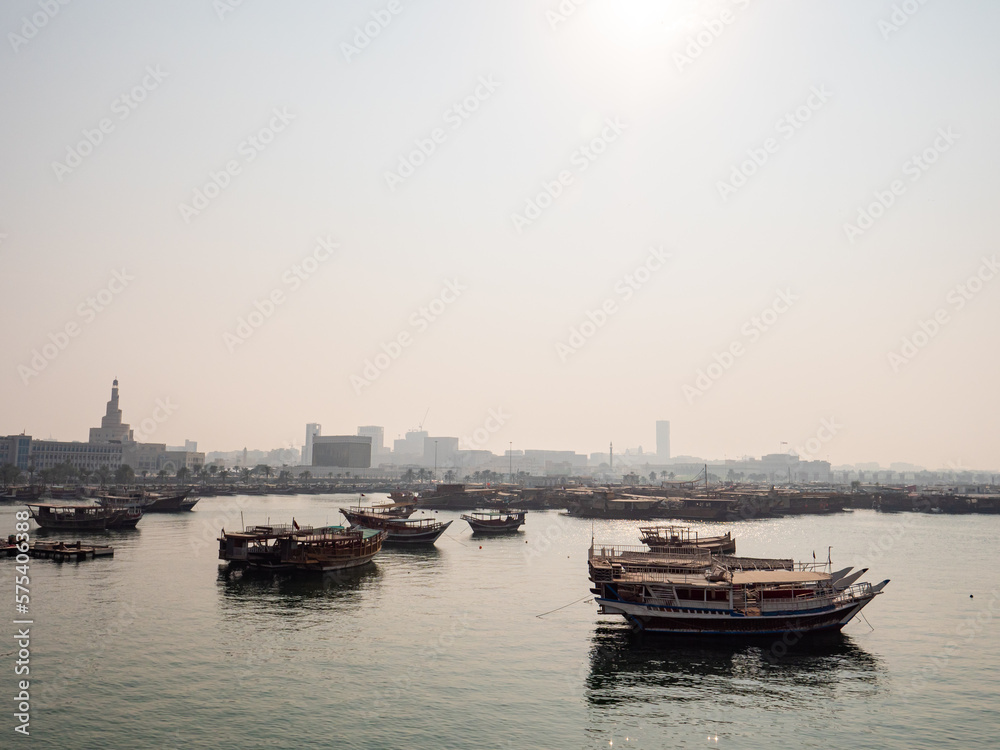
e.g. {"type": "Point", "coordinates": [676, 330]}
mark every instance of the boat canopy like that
{"type": "Point", "coordinates": [778, 576]}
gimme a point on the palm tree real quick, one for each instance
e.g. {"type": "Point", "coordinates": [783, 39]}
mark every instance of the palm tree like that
{"type": "Point", "coordinates": [9, 474]}
{"type": "Point", "coordinates": [245, 475]}
{"type": "Point", "coordinates": [104, 474]}
{"type": "Point", "coordinates": [449, 476]}
{"type": "Point", "coordinates": [213, 469]}
{"type": "Point", "coordinates": [408, 476]}
{"type": "Point", "coordinates": [306, 474]}
{"type": "Point", "coordinates": [182, 473]}
{"type": "Point", "coordinates": [144, 474]}
{"type": "Point", "coordinates": [125, 474]}
{"type": "Point", "coordinates": [652, 477]}
{"type": "Point", "coordinates": [224, 473]}
{"type": "Point", "coordinates": [161, 474]}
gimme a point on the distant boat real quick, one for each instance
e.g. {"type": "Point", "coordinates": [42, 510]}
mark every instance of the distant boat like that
{"type": "Point", "coordinates": [84, 517]}
{"type": "Point", "coordinates": [300, 548]}
{"type": "Point", "coordinates": [398, 530]}
{"type": "Point", "coordinates": [495, 521]}
{"type": "Point", "coordinates": [663, 538]}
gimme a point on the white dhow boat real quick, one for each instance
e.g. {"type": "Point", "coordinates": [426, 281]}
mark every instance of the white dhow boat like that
{"type": "Point", "coordinates": [694, 592]}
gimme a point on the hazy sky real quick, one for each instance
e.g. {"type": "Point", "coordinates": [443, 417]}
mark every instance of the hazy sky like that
{"type": "Point", "coordinates": [698, 176]}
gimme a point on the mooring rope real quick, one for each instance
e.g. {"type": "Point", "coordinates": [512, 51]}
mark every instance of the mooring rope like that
{"type": "Point", "coordinates": [563, 606]}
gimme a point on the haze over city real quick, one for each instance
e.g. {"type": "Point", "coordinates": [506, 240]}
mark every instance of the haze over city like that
{"type": "Point", "coordinates": [590, 219]}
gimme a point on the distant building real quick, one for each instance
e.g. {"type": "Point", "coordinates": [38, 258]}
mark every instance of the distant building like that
{"type": "Point", "coordinates": [112, 430]}
{"type": "Point", "coordinates": [342, 451]}
{"type": "Point", "coordinates": [410, 449]}
{"type": "Point", "coordinates": [191, 445]}
{"type": "Point", "coordinates": [440, 451]}
{"type": "Point", "coordinates": [662, 440]}
{"type": "Point", "coordinates": [313, 431]}
{"type": "Point", "coordinates": [26, 453]}
{"type": "Point", "coordinates": [377, 434]}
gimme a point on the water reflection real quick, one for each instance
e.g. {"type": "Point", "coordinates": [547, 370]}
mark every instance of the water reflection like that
{"type": "Point", "coordinates": [289, 591]}
{"type": "Point", "coordinates": [627, 669]}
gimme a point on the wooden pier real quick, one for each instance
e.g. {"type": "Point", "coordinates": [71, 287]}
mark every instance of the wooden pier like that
{"type": "Point", "coordinates": [64, 552]}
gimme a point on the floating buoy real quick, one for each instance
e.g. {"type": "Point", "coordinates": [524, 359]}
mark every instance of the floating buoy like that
{"type": "Point", "coordinates": [480, 546]}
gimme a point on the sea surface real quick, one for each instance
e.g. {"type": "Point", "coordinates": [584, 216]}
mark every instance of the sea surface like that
{"type": "Point", "coordinates": [492, 643]}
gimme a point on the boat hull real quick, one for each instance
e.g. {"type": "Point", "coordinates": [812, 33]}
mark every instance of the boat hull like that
{"type": "Point", "coordinates": [649, 618]}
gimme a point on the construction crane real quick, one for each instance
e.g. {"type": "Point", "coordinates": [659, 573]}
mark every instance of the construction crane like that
{"type": "Point", "coordinates": [421, 425]}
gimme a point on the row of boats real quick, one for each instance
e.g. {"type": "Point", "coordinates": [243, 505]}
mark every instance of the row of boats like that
{"type": "Point", "coordinates": [682, 585]}
{"type": "Point", "coordinates": [331, 548]}
{"type": "Point", "coordinates": [110, 513]}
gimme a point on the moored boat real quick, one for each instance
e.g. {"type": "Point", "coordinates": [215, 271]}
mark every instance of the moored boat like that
{"type": "Point", "coordinates": [696, 593]}
{"type": "Point", "coordinates": [300, 548]}
{"type": "Point", "coordinates": [151, 502]}
{"type": "Point", "coordinates": [495, 521]}
{"type": "Point", "coordinates": [662, 538]}
{"type": "Point", "coordinates": [84, 517]}
{"type": "Point", "coordinates": [398, 530]}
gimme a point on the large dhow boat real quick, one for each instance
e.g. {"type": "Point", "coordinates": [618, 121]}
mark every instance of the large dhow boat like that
{"type": "Point", "coordinates": [397, 530]}
{"type": "Point", "coordinates": [696, 593]}
{"type": "Point", "coordinates": [84, 517]}
{"type": "Point", "coordinates": [300, 548]}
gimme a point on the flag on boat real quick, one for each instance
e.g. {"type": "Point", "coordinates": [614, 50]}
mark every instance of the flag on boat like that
{"type": "Point", "coordinates": [295, 524]}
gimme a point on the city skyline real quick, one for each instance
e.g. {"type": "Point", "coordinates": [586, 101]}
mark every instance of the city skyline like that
{"type": "Point", "coordinates": [809, 450]}
{"type": "Point", "coordinates": [587, 221]}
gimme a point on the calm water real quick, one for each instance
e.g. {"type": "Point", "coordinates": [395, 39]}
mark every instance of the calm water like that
{"type": "Point", "coordinates": [442, 648]}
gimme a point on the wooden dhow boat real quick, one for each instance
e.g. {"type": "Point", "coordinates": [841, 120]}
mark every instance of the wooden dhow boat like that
{"type": "Point", "coordinates": [300, 548]}
{"type": "Point", "coordinates": [663, 538]}
{"type": "Point", "coordinates": [696, 593]}
{"type": "Point", "coordinates": [84, 517]}
{"type": "Point", "coordinates": [495, 521]}
{"type": "Point", "coordinates": [151, 502]}
{"type": "Point", "coordinates": [398, 530]}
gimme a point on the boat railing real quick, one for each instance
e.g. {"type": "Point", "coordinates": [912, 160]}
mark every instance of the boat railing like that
{"type": "Point", "coordinates": [734, 563]}
{"type": "Point", "coordinates": [641, 552]}
{"type": "Point", "coordinates": [855, 592]}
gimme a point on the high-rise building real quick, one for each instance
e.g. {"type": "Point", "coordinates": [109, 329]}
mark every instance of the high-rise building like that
{"type": "Point", "coordinates": [346, 451]}
{"type": "Point", "coordinates": [662, 440]}
{"type": "Point", "coordinates": [377, 434]}
{"type": "Point", "coordinates": [313, 430]}
{"type": "Point", "coordinates": [112, 430]}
